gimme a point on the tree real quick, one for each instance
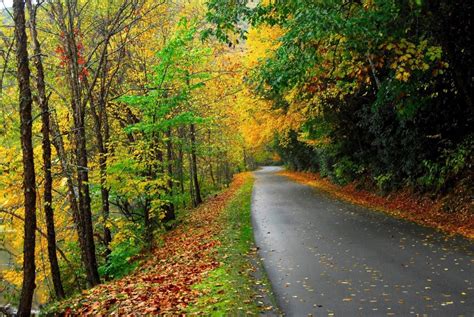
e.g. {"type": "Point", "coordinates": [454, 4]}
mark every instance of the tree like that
{"type": "Point", "coordinates": [45, 130]}
{"type": "Point", "coordinates": [29, 182]}
{"type": "Point", "coordinates": [82, 80]}
{"type": "Point", "coordinates": [76, 74]}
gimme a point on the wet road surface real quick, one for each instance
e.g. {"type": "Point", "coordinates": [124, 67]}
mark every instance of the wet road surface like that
{"type": "Point", "coordinates": [326, 257]}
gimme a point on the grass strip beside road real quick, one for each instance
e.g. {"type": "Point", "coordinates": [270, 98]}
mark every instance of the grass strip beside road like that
{"type": "Point", "coordinates": [233, 288]}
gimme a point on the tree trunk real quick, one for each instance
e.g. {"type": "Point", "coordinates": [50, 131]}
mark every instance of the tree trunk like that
{"type": "Point", "coordinates": [191, 182]}
{"type": "Point", "coordinates": [48, 179]}
{"type": "Point", "coordinates": [211, 173]}
{"type": "Point", "coordinates": [29, 181]}
{"type": "Point", "coordinates": [85, 203]}
{"type": "Point", "coordinates": [148, 226]}
{"type": "Point", "coordinates": [58, 143]}
{"type": "Point", "coordinates": [103, 170]}
{"type": "Point", "coordinates": [98, 123]}
{"type": "Point", "coordinates": [197, 190]}
{"type": "Point", "coordinates": [169, 208]}
{"type": "Point", "coordinates": [78, 109]}
{"type": "Point", "coordinates": [103, 137]}
{"type": "Point", "coordinates": [180, 162]}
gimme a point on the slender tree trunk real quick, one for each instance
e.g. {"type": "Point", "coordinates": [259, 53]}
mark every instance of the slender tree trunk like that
{"type": "Point", "coordinates": [103, 172]}
{"type": "Point", "coordinates": [85, 203]}
{"type": "Point", "coordinates": [191, 182]}
{"type": "Point", "coordinates": [29, 181]}
{"type": "Point", "coordinates": [78, 108]}
{"type": "Point", "coordinates": [154, 167]}
{"type": "Point", "coordinates": [218, 173]}
{"type": "Point", "coordinates": [169, 208]}
{"type": "Point", "coordinates": [181, 160]}
{"type": "Point", "coordinates": [48, 179]}
{"type": "Point", "coordinates": [148, 226]}
{"type": "Point", "coordinates": [104, 191]}
{"type": "Point", "coordinates": [211, 173]}
{"type": "Point", "coordinates": [102, 131]}
{"type": "Point", "coordinates": [98, 123]}
{"type": "Point", "coordinates": [228, 177]}
{"type": "Point", "coordinates": [197, 190]}
{"type": "Point", "coordinates": [58, 143]}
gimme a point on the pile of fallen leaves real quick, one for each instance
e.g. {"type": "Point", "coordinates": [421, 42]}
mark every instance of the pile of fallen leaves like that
{"type": "Point", "coordinates": [403, 204]}
{"type": "Point", "coordinates": [163, 284]}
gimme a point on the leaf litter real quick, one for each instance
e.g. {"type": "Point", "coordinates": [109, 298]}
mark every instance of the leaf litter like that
{"type": "Point", "coordinates": [163, 284]}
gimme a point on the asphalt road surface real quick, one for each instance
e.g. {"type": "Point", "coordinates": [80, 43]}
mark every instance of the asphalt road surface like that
{"type": "Point", "coordinates": [325, 257]}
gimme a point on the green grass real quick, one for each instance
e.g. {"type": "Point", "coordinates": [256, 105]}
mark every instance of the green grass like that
{"type": "Point", "coordinates": [231, 288]}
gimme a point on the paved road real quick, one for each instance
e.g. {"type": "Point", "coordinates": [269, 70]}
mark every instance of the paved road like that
{"type": "Point", "coordinates": [327, 257]}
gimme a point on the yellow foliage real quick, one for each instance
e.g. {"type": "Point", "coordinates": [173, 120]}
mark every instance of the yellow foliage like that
{"type": "Point", "coordinates": [409, 57]}
{"type": "Point", "coordinates": [13, 277]}
{"type": "Point", "coordinates": [261, 43]}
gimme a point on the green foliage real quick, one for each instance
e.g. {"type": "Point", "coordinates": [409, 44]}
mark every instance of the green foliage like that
{"type": "Point", "coordinates": [120, 263]}
{"type": "Point", "coordinates": [297, 155]}
{"type": "Point", "coordinates": [451, 163]}
{"type": "Point", "coordinates": [73, 272]}
{"type": "Point", "coordinates": [139, 176]}
{"type": "Point", "coordinates": [383, 181]}
{"type": "Point", "coordinates": [344, 171]}
{"type": "Point", "coordinates": [326, 163]}
{"type": "Point", "coordinates": [168, 101]}
{"type": "Point", "coordinates": [227, 16]}
{"type": "Point", "coordinates": [125, 247]}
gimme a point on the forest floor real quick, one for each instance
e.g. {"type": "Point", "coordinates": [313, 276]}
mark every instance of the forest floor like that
{"type": "Point", "coordinates": [206, 265]}
{"type": "Point", "coordinates": [402, 204]}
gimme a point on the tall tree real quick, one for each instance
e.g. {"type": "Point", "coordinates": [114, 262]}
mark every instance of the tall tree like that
{"type": "Point", "coordinates": [194, 169]}
{"type": "Point", "coordinates": [45, 130]}
{"type": "Point", "coordinates": [66, 18]}
{"type": "Point", "coordinates": [169, 208]}
{"type": "Point", "coordinates": [29, 182]}
{"type": "Point", "coordinates": [84, 73]}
